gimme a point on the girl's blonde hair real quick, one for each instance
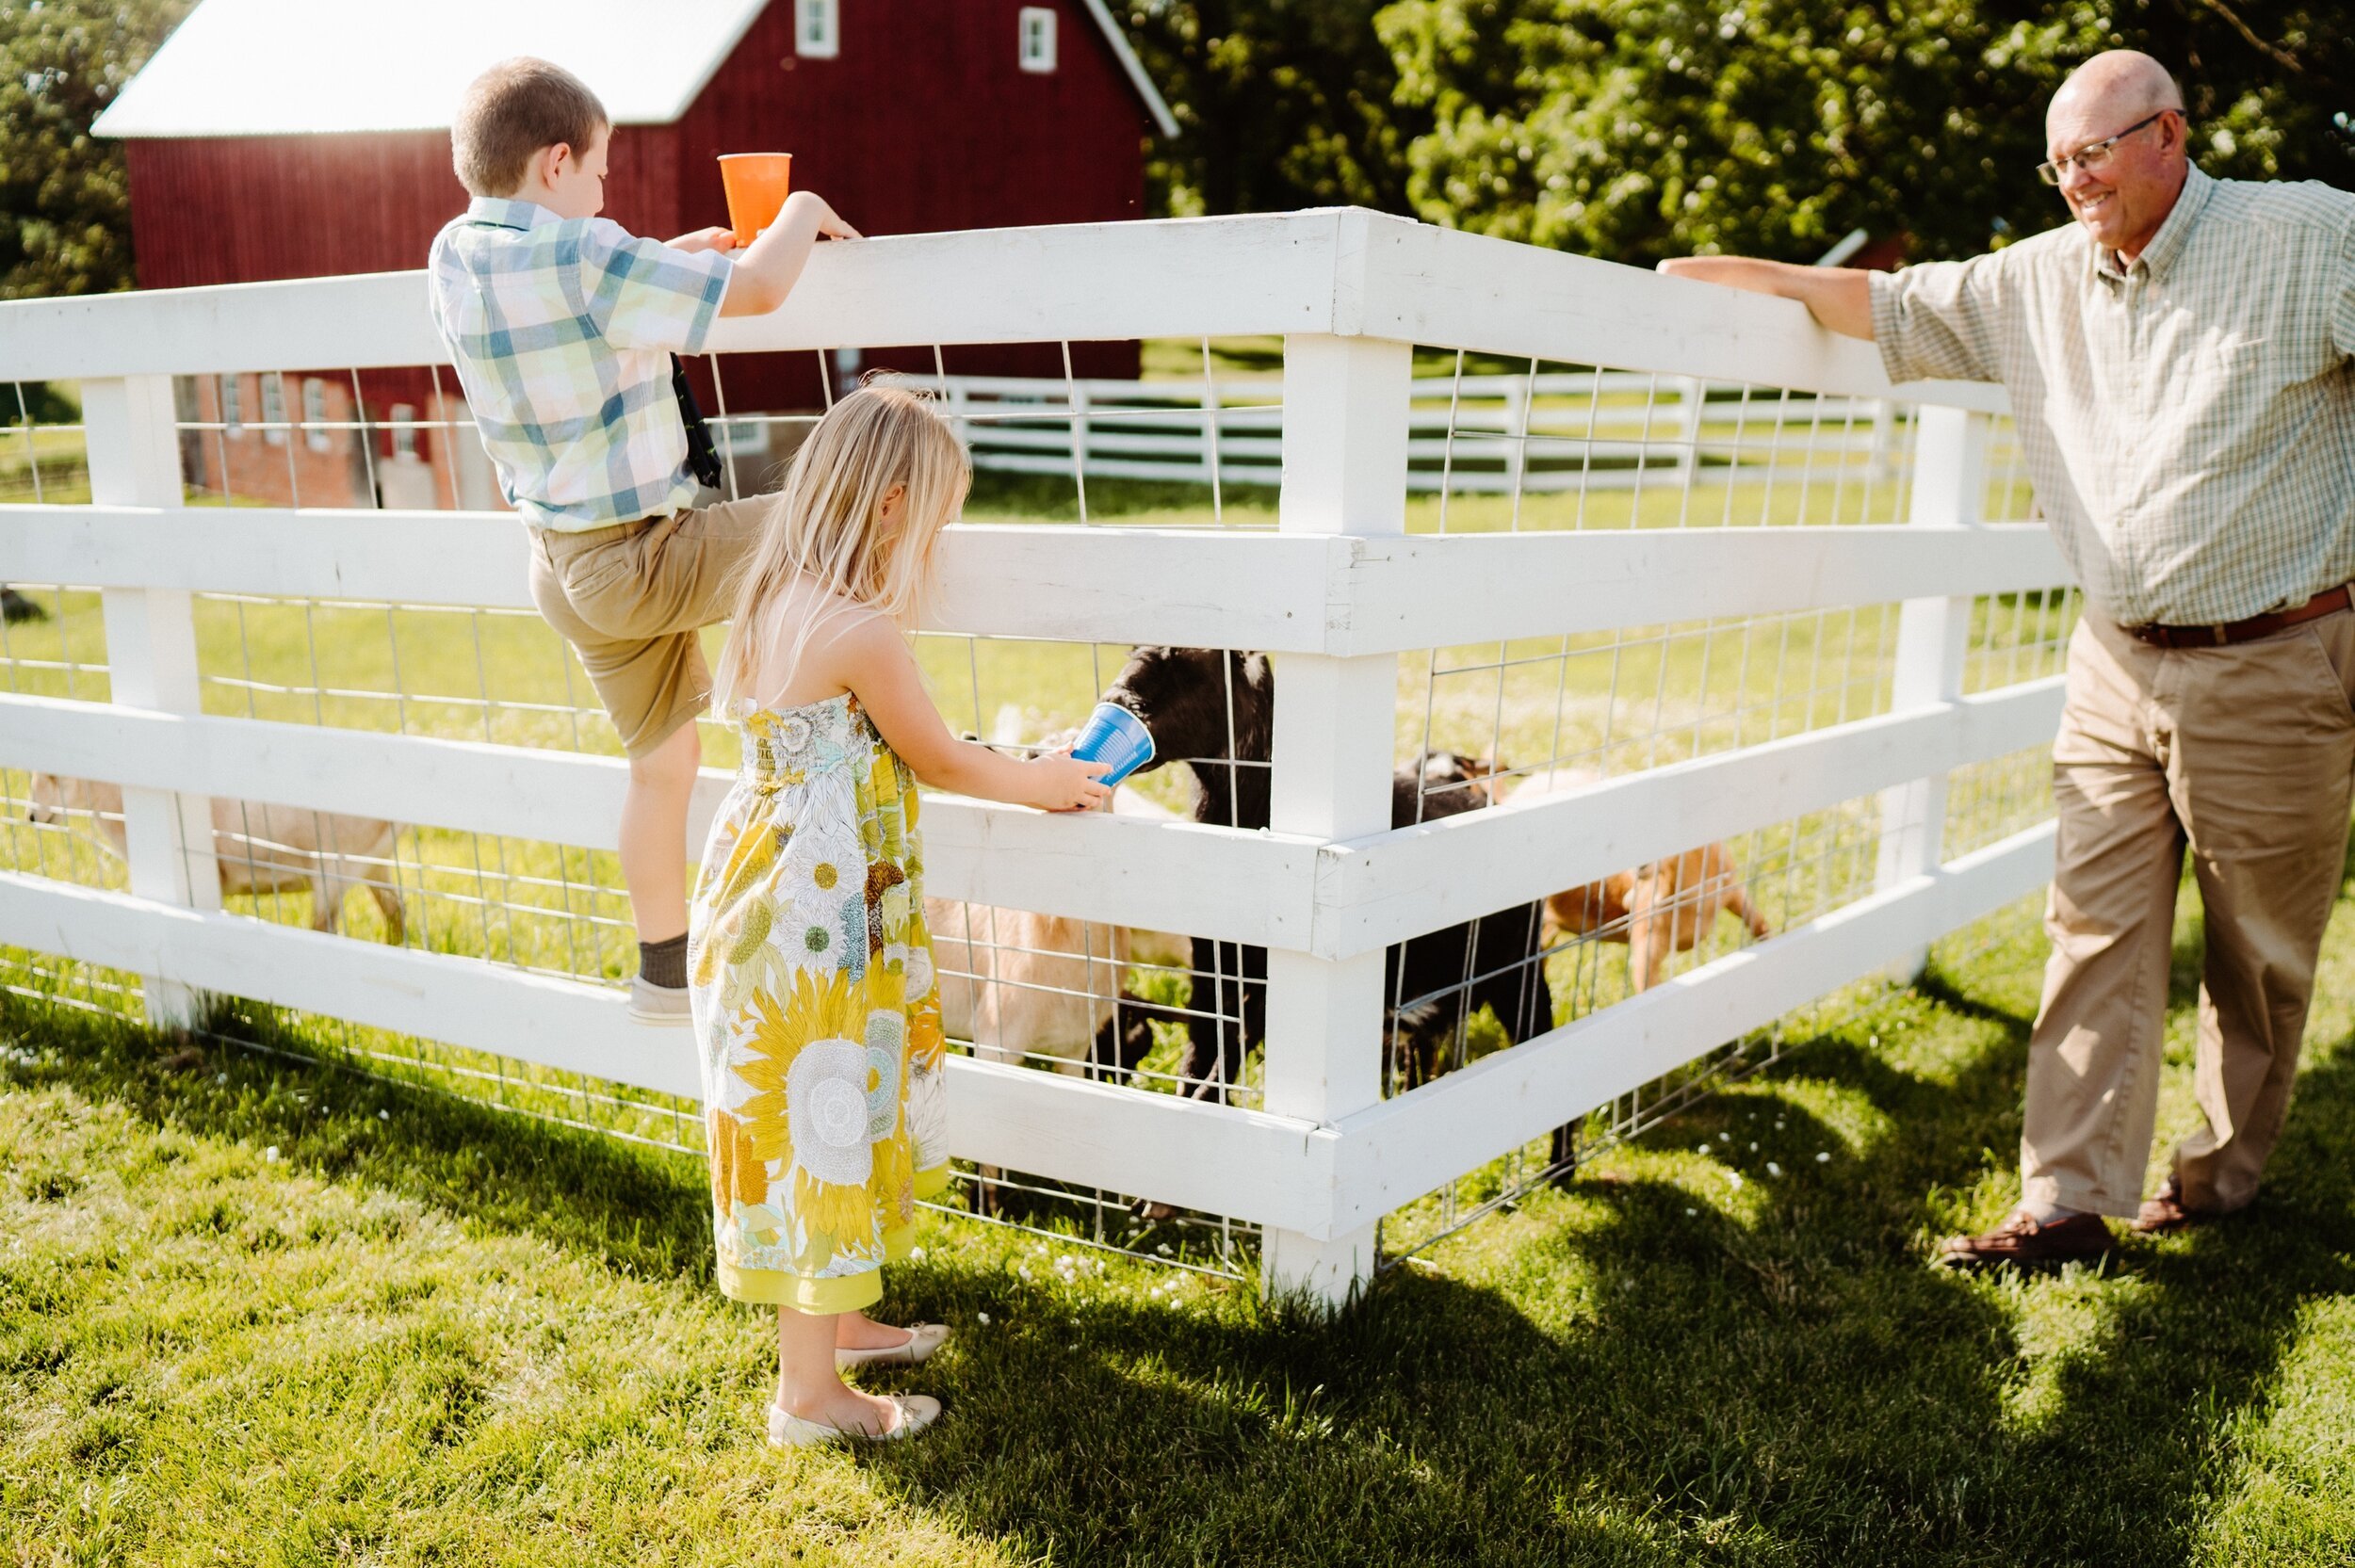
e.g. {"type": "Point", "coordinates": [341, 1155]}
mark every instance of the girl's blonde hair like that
{"type": "Point", "coordinates": [825, 525]}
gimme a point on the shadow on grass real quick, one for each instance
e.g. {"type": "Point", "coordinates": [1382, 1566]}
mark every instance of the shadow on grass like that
{"type": "Point", "coordinates": [643, 1210]}
{"type": "Point", "coordinates": [1637, 1378]}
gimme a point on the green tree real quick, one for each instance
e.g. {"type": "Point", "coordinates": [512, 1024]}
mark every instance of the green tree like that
{"type": "Point", "coordinates": [1280, 104]}
{"type": "Point", "coordinates": [1636, 129]}
{"type": "Point", "coordinates": [65, 210]}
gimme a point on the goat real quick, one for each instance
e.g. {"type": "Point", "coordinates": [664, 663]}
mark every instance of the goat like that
{"type": "Point", "coordinates": [262, 849]}
{"type": "Point", "coordinates": [1216, 711]}
{"type": "Point", "coordinates": [1657, 908]}
{"type": "Point", "coordinates": [1019, 984]}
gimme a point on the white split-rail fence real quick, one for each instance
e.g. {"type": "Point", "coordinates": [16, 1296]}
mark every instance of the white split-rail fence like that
{"type": "Point", "coordinates": [1338, 590]}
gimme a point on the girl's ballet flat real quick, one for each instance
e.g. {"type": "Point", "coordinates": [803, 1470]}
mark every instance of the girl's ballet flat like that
{"type": "Point", "coordinates": [923, 1339]}
{"type": "Point", "coordinates": [789, 1431]}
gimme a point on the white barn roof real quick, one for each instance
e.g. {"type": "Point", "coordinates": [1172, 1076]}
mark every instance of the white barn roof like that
{"type": "Point", "coordinates": [288, 67]}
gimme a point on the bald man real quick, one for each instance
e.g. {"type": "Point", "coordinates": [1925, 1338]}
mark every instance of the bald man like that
{"type": "Point", "coordinates": [2181, 362]}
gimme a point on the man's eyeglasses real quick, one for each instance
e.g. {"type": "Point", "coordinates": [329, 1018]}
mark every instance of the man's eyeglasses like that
{"type": "Point", "coordinates": [2093, 154]}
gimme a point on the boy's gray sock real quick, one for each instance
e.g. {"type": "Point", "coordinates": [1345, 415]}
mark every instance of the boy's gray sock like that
{"type": "Point", "coordinates": [664, 962]}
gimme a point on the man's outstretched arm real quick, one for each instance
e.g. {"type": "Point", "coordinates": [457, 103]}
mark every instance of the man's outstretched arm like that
{"type": "Point", "coordinates": [1839, 297]}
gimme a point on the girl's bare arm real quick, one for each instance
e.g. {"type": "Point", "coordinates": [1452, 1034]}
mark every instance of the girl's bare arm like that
{"type": "Point", "coordinates": [875, 662]}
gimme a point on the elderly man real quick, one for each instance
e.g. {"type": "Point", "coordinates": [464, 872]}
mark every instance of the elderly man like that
{"type": "Point", "coordinates": [2181, 362]}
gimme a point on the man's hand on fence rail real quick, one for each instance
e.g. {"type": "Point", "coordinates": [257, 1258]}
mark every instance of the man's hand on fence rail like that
{"type": "Point", "coordinates": [1839, 297]}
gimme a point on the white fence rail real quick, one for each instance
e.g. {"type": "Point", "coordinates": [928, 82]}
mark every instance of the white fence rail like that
{"type": "Point", "coordinates": [1493, 433]}
{"type": "Point", "coordinates": [1341, 592]}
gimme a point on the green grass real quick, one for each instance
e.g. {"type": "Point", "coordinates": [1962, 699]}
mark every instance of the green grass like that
{"type": "Point", "coordinates": [426, 1333]}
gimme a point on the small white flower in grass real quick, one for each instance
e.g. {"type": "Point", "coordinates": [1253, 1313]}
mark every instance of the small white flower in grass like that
{"type": "Point", "coordinates": [1163, 1249]}
{"type": "Point", "coordinates": [1874, 1042]}
{"type": "Point", "coordinates": [269, 1155]}
{"type": "Point", "coordinates": [1778, 1124]}
{"type": "Point", "coordinates": [1822, 1158]}
{"type": "Point", "coordinates": [982, 1318]}
{"type": "Point", "coordinates": [1734, 1176]}
{"type": "Point", "coordinates": [1700, 1148]}
{"type": "Point", "coordinates": [1753, 1145]}
{"type": "Point", "coordinates": [1725, 1138]}
{"type": "Point", "coordinates": [1691, 1211]}
{"type": "Point", "coordinates": [916, 1254]}
{"type": "Point", "coordinates": [220, 1077]}
{"type": "Point", "coordinates": [383, 1115]}
{"type": "Point", "coordinates": [1772, 1169]}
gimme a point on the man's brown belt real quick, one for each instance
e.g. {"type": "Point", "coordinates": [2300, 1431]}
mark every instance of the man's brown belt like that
{"type": "Point", "coordinates": [2242, 631]}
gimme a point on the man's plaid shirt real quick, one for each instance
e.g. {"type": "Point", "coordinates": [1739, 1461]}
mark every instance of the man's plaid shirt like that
{"type": "Point", "coordinates": [562, 331]}
{"type": "Point", "coordinates": [2188, 422]}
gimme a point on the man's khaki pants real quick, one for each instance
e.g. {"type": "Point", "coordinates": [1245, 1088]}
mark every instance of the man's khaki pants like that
{"type": "Point", "coordinates": [2244, 754]}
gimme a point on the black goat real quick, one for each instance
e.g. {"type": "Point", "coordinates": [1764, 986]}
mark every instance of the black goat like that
{"type": "Point", "coordinates": [1216, 711]}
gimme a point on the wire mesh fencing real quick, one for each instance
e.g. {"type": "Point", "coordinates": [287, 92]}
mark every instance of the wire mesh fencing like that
{"type": "Point", "coordinates": [1571, 448]}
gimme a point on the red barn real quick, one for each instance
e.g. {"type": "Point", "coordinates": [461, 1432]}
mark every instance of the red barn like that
{"type": "Point", "coordinates": [288, 138]}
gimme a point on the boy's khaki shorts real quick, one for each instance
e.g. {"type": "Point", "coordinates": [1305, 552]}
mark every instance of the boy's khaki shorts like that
{"type": "Point", "coordinates": [630, 600]}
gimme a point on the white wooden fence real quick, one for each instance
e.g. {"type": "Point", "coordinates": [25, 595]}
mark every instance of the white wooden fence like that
{"type": "Point", "coordinates": [1338, 591]}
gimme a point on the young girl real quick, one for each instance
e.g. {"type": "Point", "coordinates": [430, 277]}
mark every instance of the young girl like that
{"type": "Point", "coordinates": [810, 970]}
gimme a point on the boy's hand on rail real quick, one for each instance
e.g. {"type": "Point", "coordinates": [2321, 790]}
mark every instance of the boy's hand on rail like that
{"type": "Point", "coordinates": [829, 223]}
{"type": "Point", "coordinates": [717, 237]}
{"type": "Point", "coordinates": [766, 270]}
{"type": "Point", "coordinates": [1067, 784]}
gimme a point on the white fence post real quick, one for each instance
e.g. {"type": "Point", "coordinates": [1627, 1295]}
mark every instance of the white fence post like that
{"type": "Point", "coordinates": [1880, 464]}
{"type": "Point", "coordinates": [1518, 403]}
{"type": "Point", "coordinates": [1694, 396]}
{"type": "Point", "coordinates": [1345, 407]}
{"type": "Point", "coordinates": [1210, 432]}
{"type": "Point", "coordinates": [961, 412]}
{"type": "Point", "coordinates": [134, 452]}
{"type": "Point", "coordinates": [1933, 635]}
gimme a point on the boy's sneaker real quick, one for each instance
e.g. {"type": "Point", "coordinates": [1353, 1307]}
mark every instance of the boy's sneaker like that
{"type": "Point", "coordinates": [650, 1003]}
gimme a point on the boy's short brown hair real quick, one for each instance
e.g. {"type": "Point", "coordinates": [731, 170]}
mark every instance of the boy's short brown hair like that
{"type": "Point", "coordinates": [512, 111]}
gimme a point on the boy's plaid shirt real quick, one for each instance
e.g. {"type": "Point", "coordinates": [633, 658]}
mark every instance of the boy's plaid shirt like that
{"type": "Point", "coordinates": [562, 331]}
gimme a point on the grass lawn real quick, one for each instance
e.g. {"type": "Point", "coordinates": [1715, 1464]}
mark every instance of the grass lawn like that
{"type": "Point", "coordinates": [419, 1332]}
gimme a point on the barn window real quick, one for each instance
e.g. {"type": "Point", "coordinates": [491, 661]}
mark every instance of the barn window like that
{"type": "Point", "coordinates": [274, 410]}
{"type": "Point", "coordinates": [316, 434]}
{"type": "Point", "coordinates": [404, 429]}
{"type": "Point", "coordinates": [232, 406]}
{"type": "Point", "coordinates": [1037, 27]}
{"type": "Point", "coordinates": [817, 29]}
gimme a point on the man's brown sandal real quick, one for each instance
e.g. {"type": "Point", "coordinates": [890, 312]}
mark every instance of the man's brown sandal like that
{"type": "Point", "coordinates": [2025, 1242]}
{"type": "Point", "coordinates": [2165, 1212]}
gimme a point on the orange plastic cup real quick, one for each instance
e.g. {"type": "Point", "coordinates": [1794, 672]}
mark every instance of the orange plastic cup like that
{"type": "Point", "coordinates": [758, 184]}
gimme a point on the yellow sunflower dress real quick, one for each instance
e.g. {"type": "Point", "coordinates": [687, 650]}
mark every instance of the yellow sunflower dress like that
{"type": "Point", "coordinates": [810, 973]}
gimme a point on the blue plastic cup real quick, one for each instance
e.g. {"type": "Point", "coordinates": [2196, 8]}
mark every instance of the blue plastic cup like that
{"type": "Point", "coordinates": [1114, 734]}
